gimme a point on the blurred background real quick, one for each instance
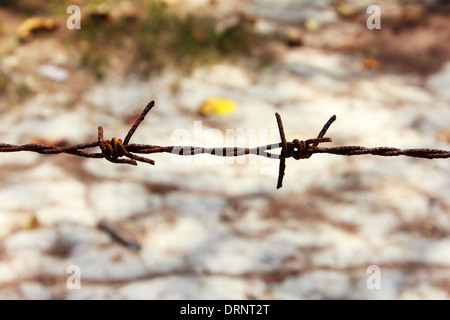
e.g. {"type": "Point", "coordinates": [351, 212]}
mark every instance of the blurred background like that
{"type": "Point", "coordinates": [203, 228]}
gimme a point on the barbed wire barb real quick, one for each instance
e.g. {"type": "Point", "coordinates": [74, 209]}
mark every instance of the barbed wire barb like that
{"type": "Point", "coordinates": [116, 151]}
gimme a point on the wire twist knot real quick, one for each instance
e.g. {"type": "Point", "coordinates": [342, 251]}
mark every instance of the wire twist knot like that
{"type": "Point", "coordinates": [300, 149]}
{"type": "Point", "coordinates": [114, 149]}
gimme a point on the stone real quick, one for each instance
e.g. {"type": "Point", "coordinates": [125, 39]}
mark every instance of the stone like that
{"type": "Point", "coordinates": [54, 73]}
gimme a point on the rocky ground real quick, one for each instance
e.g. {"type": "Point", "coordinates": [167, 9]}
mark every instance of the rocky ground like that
{"type": "Point", "coordinates": [203, 228]}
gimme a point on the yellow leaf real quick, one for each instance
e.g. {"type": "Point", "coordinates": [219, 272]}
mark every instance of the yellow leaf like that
{"type": "Point", "coordinates": [217, 106]}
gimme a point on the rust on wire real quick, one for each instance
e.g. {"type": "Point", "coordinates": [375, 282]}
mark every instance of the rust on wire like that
{"type": "Point", "coordinates": [118, 151]}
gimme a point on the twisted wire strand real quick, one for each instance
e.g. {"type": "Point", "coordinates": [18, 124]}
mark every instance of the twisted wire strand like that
{"type": "Point", "coordinates": [116, 151]}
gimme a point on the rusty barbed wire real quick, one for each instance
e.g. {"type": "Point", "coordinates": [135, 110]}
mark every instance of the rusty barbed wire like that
{"type": "Point", "coordinates": [118, 151]}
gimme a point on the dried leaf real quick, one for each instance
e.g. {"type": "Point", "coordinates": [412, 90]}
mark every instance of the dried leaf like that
{"type": "Point", "coordinates": [35, 24]}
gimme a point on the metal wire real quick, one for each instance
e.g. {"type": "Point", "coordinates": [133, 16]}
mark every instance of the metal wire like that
{"type": "Point", "coordinates": [116, 151]}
